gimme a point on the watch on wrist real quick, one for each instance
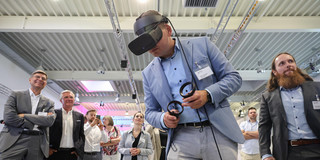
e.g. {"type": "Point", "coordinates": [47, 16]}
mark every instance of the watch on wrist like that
{"type": "Point", "coordinates": [209, 97]}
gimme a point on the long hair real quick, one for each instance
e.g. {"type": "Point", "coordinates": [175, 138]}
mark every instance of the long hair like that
{"type": "Point", "coordinates": [273, 81]}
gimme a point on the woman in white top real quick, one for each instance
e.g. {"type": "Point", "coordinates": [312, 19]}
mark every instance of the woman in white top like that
{"type": "Point", "coordinates": [110, 149]}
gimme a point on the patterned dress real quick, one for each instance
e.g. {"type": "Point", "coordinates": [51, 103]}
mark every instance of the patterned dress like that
{"type": "Point", "coordinates": [112, 150]}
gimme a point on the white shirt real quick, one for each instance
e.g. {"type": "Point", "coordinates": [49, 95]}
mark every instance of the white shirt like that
{"type": "Point", "coordinates": [34, 103]}
{"type": "Point", "coordinates": [67, 130]}
{"type": "Point", "coordinates": [93, 138]}
{"type": "Point", "coordinates": [250, 146]}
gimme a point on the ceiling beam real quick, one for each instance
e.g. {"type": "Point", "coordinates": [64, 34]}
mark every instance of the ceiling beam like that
{"type": "Point", "coordinates": [194, 24]}
{"type": "Point", "coordinates": [92, 75]}
{"type": "Point", "coordinates": [248, 75]}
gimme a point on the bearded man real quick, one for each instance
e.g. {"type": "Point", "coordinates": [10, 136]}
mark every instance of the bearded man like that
{"type": "Point", "coordinates": [292, 107]}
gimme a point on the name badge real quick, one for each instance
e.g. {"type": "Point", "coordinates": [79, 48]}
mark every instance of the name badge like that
{"type": "Point", "coordinates": [203, 73]}
{"type": "Point", "coordinates": [316, 104]}
{"type": "Point", "coordinates": [42, 113]}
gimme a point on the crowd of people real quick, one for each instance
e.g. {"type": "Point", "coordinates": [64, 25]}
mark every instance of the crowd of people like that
{"type": "Point", "coordinates": [193, 75]}
{"type": "Point", "coordinates": [34, 130]}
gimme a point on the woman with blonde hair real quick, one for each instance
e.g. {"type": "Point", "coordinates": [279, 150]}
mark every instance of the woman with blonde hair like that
{"type": "Point", "coordinates": [110, 149]}
{"type": "Point", "coordinates": [136, 143]}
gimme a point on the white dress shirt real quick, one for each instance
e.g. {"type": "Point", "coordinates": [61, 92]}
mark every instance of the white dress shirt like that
{"type": "Point", "coordinates": [93, 138]}
{"type": "Point", "coordinates": [67, 130]}
{"type": "Point", "coordinates": [34, 103]}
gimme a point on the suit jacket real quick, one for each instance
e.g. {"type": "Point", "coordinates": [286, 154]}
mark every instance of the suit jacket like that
{"type": "Point", "coordinates": [223, 83]}
{"type": "Point", "coordinates": [78, 132]}
{"type": "Point", "coordinates": [272, 114]}
{"type": "Point", "coordinates": [20, 102]}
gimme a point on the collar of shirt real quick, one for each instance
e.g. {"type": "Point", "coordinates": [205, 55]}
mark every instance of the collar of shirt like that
{"type": "Point", "coordinates": [33, 95]}
{"type": "Point", "coordinates": [65, 112]}
{"type": "Point", "coordinates": [252, 122]}
{"type": "Point", "coordinates": [175, 51]}
{"type": "Point", "coordinates": [291, 89]}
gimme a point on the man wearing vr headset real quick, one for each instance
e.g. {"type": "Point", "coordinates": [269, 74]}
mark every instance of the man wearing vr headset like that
{"type": "Point", "coordinates": [207, 128]}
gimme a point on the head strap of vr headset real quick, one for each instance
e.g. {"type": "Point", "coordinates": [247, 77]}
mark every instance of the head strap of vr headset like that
{"type": "Point", "coordinates": [141, 23]}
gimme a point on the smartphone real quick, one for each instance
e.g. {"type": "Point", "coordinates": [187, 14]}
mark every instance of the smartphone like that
{"type": "Point", "coordinates": [98, 116]}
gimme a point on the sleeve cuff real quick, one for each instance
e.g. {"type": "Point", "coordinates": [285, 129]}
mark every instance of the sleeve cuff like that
{"type": "Point", "coordinates": [162, 122]}
{"type": "Point", "coordinates": [210, 95]}
{"type": "Point", "coordinates": [266, 156]}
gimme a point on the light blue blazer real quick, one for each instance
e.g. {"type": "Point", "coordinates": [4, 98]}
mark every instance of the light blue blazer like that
{"type": "Point", "coordinates": [144, 144]}
{"type": "Point", "coordinates": [223, 83]}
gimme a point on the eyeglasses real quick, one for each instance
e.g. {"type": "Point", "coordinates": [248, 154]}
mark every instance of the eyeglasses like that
{"type": "Point", "coordinates": [40, 77]}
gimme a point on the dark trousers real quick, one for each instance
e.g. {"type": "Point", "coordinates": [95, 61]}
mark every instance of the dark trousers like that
{"type": "Point", "coordinates": [63, 154]}
{"type": "Point", "coordinates": [304, 152]}
{"type": "Point", "coordinates": [92, 156]}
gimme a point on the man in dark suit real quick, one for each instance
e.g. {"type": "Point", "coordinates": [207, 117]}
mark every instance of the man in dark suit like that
{"type": "Point", "coordinates": [292, 107]}
{"type": "Point", "coordinates": [27, 116]}
{"type": "Point", "coordinates": [67, 134]}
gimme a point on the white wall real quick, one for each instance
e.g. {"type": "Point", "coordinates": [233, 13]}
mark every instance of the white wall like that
{"type": "Point", "coordinates": [13, 77]}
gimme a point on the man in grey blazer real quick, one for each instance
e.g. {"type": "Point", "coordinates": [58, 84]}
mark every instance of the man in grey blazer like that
{"type": "Point", "coordinates": [207, 128]}
{"type": "Point", "coordinates": [27, 117]}
{"type": "Point", "coordinates": [291, 107]}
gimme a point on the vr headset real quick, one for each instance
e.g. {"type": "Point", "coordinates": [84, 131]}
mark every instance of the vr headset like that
{"type": "Point", "coordinates": [149, 33]}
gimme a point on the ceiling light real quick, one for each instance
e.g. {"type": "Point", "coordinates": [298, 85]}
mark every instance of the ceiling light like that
{"type": "Point", "coordinates": [241, 114]}
{"type": "Point", "coordinates": [311, 66]}
{"type": "Point", "coordinates": [101, 103]}
{"type": "Point", "coordinates": [97, 86]}
{"type": "Point", "coordinates": [143, 1]}
{"type": "Point", "coordinates": [242, 103]}
{"type": "Point", "coordinates": [77, 98]}
{"type": "Point", "coordinates": [117, 98]}
{"type": "Point", "coordinates": [260, 67]}
{"type": "Point", "coordinates": [101, 69]}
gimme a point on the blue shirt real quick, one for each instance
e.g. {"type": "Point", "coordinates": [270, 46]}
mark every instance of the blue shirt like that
{"type": "Point", "coordinates": [173, 68]}
{"type": "Point", "coordinates": [293, 104]}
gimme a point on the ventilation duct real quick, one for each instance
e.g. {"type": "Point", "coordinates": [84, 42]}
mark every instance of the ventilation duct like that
{"type": "Point", "coordinates": [200, 3]}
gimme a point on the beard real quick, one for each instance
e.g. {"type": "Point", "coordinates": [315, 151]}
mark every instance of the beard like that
{"type": "Point", "coordinates": [290, 81]}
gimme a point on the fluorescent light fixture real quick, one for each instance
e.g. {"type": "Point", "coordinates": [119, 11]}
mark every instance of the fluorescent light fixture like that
{"type": "Point", "coordinates": [97, 86]}
{"type": "Point", "coordinates": [143, 1]}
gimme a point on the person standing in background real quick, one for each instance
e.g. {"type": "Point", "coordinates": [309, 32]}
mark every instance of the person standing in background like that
{"type": "Point", "coordinates": [94, 134]}
{"type": "Point", "coordinates": [291, 109]}
{"type": "Point", "coordinates": [27, 118]}
{"type": "Point", "coordinates": [136, 144]}
{"type": "Point", "coordinates": [249, 128]}
{"type": "Point", "coordinates": [66, 134]}
{"type": "Point", "coordinates": [110, 149]}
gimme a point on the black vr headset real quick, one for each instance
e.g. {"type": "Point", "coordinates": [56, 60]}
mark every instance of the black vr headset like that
{"type": "Point", "coordinates": [149, 33]}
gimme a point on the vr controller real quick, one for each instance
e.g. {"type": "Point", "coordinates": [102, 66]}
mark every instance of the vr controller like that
{"type": "Point", "coordinates": [149, 33]}
{"type": "Point", "coordinates": [176, 104]}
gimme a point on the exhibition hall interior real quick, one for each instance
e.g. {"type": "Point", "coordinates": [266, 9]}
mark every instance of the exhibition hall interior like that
{"type": "Point", "coordinates": [83, 46]}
